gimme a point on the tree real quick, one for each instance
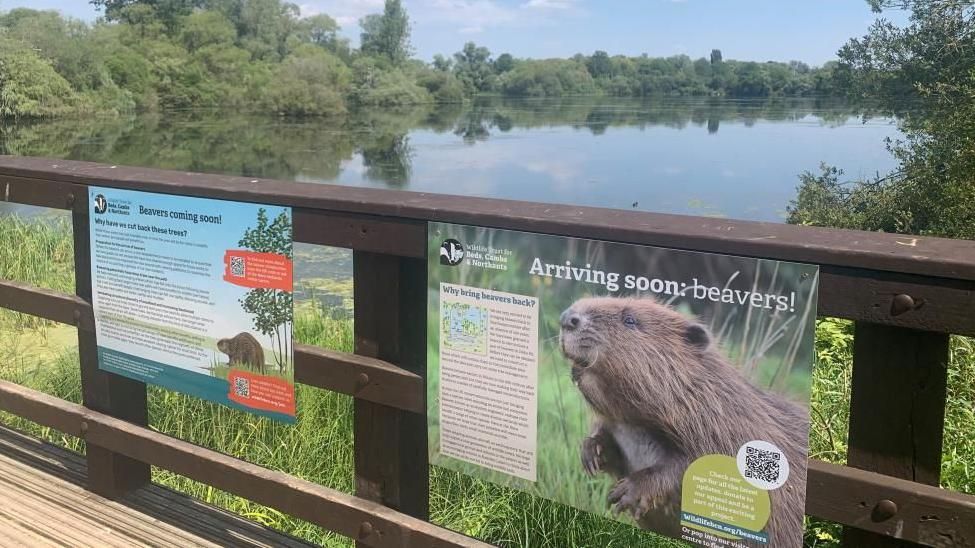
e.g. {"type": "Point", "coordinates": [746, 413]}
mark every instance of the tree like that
{"type": "Point", "coordinates": [504, 63]}
{"type": "Point", "coordinates": [441, 63]}
{"type": "Point", "coordinates": [474, 69]}
{"type": "Point", "coordinates": [273, 309]}
{"type": "Point", "coordinates": [929, 64]}
{"type": "Point", "coordinates": [599, 64]}
{"type": "Point", "coordinates": [205, 28]}
{"type": "Point", "coordinates": [716, 57]}
{"type": "Point", "coordinates": [387, 35]}
{"type": "Point", "coordinates": [29, 86]}
{"type": "Point", "coordinates": [169, 12]}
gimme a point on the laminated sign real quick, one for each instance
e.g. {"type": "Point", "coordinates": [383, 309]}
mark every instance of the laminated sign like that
{"type": "Point", "coordinates": [195, 295]}
{"type": "Point", "coordinates": [666, 389]}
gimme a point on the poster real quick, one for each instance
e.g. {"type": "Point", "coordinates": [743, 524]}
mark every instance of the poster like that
{"type": "Point", "coordinates": [195, 295]}
{"type": "Point", "coordinates": [666, 389]}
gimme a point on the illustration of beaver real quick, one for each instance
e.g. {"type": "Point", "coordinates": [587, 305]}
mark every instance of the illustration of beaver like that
{"type": "Point", "coordinates": [243, 349]}
{"type": "Point", "coordinates": [663, 396]}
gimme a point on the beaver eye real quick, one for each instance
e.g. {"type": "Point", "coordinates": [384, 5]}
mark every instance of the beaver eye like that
{"type": "Point", "coordinates": [629, 321]}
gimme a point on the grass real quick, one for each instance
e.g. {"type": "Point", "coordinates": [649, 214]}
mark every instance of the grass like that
{"type": "Point", "coordinates": [319, 446]}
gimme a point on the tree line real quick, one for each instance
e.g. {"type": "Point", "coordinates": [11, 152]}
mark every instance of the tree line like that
{"type": "Point", "coordinates": [263, 55]}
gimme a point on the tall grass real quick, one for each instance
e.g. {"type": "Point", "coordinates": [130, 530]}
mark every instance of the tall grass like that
{"type": "Point", "coordinates": [319, 446]}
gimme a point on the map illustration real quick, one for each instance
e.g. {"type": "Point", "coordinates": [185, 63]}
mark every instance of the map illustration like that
{"type": "Point", "coordinates": [463, 327]}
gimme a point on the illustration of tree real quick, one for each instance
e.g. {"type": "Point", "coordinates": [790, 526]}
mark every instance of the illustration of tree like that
{"type": "Point", "coordinates": [272, 309]}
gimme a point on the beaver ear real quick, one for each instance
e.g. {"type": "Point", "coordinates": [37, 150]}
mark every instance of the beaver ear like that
{"type": "Point", "coordinates": [697, 335]}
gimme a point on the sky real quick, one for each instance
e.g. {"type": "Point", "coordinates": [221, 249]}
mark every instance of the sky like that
{"type": "Point", "coordinates": [756, 30]}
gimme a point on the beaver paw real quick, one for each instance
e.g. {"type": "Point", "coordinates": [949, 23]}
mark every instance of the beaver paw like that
{"type": "Point", "coordinates": [592, 456]}
{"type": "Point", "coordinates": [629, 496]}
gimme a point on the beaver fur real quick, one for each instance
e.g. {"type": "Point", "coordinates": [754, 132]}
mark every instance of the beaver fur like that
{"type": "Point", "coordinates": [243, 349]}
{"type": "Point", "coordinates": [662, 397]}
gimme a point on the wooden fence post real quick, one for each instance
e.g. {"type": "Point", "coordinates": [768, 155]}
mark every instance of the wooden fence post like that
{"type": "Point", "coordinates": [391, 461]}
{"type": "Point", "coordinates": [896, 412]}
{"type": "Point", "coordinates": [110, 474]}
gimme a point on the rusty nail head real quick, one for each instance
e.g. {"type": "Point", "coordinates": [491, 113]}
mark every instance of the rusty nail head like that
{"type": "Point", "coordinates": [362, 380]}
{"type": "Point", "coordinates": [884, 510]}
{"type": "Point", "coordinates": [365, 530]}
{"type": "Point", "coordinates": [902, 303]}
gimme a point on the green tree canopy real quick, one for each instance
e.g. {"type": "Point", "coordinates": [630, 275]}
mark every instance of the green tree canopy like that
{"type": "Point", "coordinates": [387, 35]}
{"type": "Point", "coordinates": [925, 72]}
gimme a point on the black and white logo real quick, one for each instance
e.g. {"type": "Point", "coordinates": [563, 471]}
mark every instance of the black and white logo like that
{"type": "Point", "coordinates": [451, 252]}
{"type": "Point", "coordinates": [101, 204]}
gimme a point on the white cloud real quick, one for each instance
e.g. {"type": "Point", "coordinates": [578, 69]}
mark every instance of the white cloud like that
{"type": "Point", "coordinates": [471, 13]}
{"type": "Point", "coordinates": [345, 12]}
{"type": "Point", "coordinates": [551, 4]}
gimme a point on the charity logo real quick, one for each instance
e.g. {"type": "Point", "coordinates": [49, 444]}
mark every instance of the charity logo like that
{"type": "Point", "coordinates": [451, 252]}
{"type": "Point", "coordinates": [101, 204]}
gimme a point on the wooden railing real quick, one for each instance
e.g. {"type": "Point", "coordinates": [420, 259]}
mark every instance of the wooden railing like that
{"type": "Point", "coordinates": [906, 295]}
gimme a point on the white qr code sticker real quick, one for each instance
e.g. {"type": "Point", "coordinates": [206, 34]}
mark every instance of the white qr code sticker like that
{"type": "Point", "coordinates": [242, 387]}
{"type": "Point", "coordinates": [763, 465]}
{"type": "Point", "coordinates": [237, 267]}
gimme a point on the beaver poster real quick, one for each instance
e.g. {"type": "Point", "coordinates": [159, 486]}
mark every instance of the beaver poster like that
{"type": "Point", "coordinates": [663, 388]}
{"type": "Point", "coordinates": [195, 295]}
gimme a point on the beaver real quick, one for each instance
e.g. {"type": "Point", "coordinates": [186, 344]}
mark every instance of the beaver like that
{"type": "Point", "coordinates": [662, 397]}
{"type": "Point", "coordinates": [243, 348]}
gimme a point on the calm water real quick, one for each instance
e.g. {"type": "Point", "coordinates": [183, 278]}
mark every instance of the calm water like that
{"type": "Point", "coordinates": [738, 159]}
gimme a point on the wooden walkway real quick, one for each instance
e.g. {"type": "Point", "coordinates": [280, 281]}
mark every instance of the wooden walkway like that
{"type": "Point", "coordinates": [43, 503]}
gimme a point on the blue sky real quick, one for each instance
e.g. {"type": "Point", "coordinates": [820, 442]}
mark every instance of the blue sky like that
{"type": "Point", "coordinates": [808, 30]}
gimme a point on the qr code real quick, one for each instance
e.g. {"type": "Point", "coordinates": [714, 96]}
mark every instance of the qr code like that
{"type": "Point", "coordinates": [237, 267]}
{"type": "Point", "coordinates": [762, 465]}
{"type": "Point", "coordinates": [242, 387]}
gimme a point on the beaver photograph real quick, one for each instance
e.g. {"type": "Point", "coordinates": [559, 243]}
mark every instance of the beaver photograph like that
{"type": "Point", "coordinates": [662, 395]}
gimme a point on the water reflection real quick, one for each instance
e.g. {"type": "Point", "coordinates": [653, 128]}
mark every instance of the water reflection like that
{"type": "Point", "coordinates": [703, 156]}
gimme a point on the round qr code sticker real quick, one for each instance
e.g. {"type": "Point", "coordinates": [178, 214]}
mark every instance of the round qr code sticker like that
{"type": "Point", "coordinates": [763, 465]}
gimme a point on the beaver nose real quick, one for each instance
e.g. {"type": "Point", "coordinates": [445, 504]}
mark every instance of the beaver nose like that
{"type": "Point", "coordinates": [570, 319]}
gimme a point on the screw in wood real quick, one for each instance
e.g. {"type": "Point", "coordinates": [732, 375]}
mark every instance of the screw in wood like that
{"type": "Point", "coordinates": [365, 530]}
{"type": "Point", "coordinates": [77, 316]}
{"type": "Point", "coordinates": [70, 200]}
{"type": "Point", "coordinates": [84, 428]}
{"type": "Point", "coordinates": [902, 303]}
{"type": "Point", "coordinates": [884, 510]}
{"type": "Point", "coordinates": [362, 381]}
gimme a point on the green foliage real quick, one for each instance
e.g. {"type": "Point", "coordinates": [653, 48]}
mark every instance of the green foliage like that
{"type": "Point", "coordinates": [29, 85]}
{"type": "Point", "coordinates": [549, 78]}
{"type": "Point", "coordinates": [930, 66]}
{"type": "Point", "coordinates": [310, 81]}
{"type": "Point", "coordinates": [387, 35]}
{"type": "Point", "coordinates": [376, 83]}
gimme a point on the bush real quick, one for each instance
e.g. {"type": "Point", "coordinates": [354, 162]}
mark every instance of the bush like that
{"type": "Point", "coordinates": [377, 84]}
{"type": "Point", "coordinates": [310, 81]}
{"type": "Point", "coordinates": [29, 85]}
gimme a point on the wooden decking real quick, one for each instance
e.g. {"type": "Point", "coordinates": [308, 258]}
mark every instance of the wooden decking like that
{"type": "Point", "coordinates": [43, 502]}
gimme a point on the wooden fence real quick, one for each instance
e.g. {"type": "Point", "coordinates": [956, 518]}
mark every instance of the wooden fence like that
{"type": "Point", "coordinates": [906, 295]}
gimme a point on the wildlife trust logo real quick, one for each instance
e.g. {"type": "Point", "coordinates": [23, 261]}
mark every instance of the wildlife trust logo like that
{"type": "Point", "coordinates": [451, 252]}
{"type": "Point", "coordinates": [101, 204]}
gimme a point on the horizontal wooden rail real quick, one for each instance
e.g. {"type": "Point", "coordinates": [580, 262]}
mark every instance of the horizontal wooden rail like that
{"type": "Point", "coordinates": [47, 304]}
{"type": "Point", "coordinates": [53, 194]}
{"type": "Point", "coordinates": [890, 506]}
{"type": "Point", "coordinates": [370, 523]}
{"type": "Point", "coordinates": [360, 376]}
{"type": "Point", "coordinates": [870, 501]}
{"type": "Point", "coordinates": [925, 256]}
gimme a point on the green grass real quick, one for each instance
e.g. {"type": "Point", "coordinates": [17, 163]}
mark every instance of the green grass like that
{"type": "Point", "coordinates": [319, 446]}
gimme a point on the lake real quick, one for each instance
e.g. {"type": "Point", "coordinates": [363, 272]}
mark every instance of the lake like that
{"type": "Point", "coordinates": [718, 157]}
